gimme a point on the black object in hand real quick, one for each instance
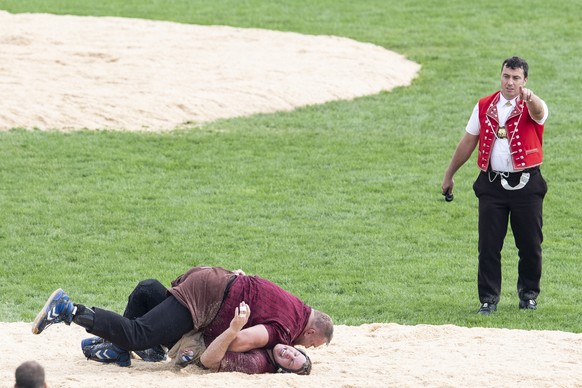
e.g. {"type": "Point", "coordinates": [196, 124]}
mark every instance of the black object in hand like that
{"type": "Point", "coordinates": [448, 196]}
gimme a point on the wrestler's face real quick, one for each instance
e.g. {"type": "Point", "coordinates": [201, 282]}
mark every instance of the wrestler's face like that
{"type": "Point", "coordinates": [512, 80]}
{"type": "Point", "coordinates": [288, 357]}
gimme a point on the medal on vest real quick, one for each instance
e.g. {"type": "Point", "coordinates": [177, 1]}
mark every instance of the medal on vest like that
{"type": "Point", "coordinates": [502, 133]}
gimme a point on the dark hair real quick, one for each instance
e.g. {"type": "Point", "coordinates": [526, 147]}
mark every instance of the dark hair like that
{"type": "Point", "coordinates": [304, 370]}
{"type": "Point", "coordinates": [516, 63]}
{"type": "Point", "coordinates": [29, 374]}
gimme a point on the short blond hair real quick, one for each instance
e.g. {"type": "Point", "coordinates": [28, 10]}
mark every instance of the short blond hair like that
{"type": "Point", "coordinates": [324, 325]}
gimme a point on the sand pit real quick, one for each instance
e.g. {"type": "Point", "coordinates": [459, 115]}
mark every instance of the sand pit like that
{"type": "Point", "coordinates": [71, 72]}
{"type": "Point", "coordinates": [374, 355]}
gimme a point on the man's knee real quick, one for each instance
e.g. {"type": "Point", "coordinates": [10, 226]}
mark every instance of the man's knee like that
{"type": "Point", "coordinates": [145, 296]}
{"type": "Point", "coordinates": [148, 284]}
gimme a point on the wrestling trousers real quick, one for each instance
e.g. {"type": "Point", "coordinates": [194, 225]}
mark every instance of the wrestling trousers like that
{"type": "Point", "coordinates": [150, 318]}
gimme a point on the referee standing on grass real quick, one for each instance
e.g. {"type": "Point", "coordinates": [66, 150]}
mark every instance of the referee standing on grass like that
{"type": "Point", "coordinates": [508, 126]}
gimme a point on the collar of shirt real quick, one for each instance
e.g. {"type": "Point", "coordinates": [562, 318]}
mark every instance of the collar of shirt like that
{"type": "Point", "coordinates": [502, 101]}
{"type": "Point", "coordinates": [504, 108]}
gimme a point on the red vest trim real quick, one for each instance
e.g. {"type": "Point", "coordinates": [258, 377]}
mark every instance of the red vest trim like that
{"type": "Point", "coordinates": [524, 134]}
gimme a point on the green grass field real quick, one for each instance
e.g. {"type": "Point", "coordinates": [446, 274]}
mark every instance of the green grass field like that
{"type": "Point", "coordinates": [339, 203]}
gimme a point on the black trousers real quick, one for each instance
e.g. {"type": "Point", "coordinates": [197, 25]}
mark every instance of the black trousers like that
{"type": "Point", "coordinates": [150, 318]}
{"type": "Point", "coordinates": [523, 209]}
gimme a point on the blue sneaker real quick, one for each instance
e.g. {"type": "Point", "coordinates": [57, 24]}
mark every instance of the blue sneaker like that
{"type": "Point", "coordinates": [107, 352]}
{"type": "Point", "coordinates": [58, 308]}
{"type": "Point", "coordinates": [91, 341]}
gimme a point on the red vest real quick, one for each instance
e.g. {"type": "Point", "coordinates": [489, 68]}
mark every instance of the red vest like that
{"type": "Point", "coordinates": [524, 134]}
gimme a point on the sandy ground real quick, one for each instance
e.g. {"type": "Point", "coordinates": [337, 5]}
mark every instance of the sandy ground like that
{"type": "Point", "coordinates": [373, 355]}
{"type": "Point", "coordinates": [70, 72]}
{"type": "Point", "coordinates": [67, 72]}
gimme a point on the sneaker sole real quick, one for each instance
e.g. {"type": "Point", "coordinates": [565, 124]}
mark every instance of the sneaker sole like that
{"type": "Point", "coordinates": [123, 364]}
{"type": "Point", "coordinates": [42, 314]}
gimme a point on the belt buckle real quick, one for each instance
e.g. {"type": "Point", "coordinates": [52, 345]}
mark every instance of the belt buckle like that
{"type": "Point", "coordinates": [502, 133]}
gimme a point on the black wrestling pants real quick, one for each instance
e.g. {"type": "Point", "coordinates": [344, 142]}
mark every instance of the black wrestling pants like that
{"type": "Point", "coordinates": [150, 318]}
{"type": "Point", "coordinates": [523, 209]}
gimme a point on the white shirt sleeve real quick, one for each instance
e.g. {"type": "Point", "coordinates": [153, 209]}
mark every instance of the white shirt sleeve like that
{"type": "Point", "coordinates": [473, 125]}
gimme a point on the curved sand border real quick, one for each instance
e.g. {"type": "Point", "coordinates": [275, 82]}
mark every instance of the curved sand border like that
{"type": "Point", "coordinates": [72, 72]}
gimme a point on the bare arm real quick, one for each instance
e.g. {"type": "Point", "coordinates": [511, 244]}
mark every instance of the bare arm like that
{"type": "Point", "coordinates": [253, 337]}
{"type": "Point", "coordinates": [215, 352]}
{"type": "Point", "coordinates": [463, 152]}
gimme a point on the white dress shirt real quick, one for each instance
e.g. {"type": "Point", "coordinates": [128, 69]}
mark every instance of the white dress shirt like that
{"type": "Point", "coordinates": [500, 154]}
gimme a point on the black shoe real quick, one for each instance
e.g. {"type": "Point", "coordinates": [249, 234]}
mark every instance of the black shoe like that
{"type": "Point", "coordinates": [155, 354]}
{"type": "Point", "coordinates": [487, 308]}
{"type": "Point", "coordinates": [528, 304]}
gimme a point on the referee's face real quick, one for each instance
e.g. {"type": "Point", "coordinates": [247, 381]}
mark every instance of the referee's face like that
{"type": "Point", "coordinates": [511, 82]}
